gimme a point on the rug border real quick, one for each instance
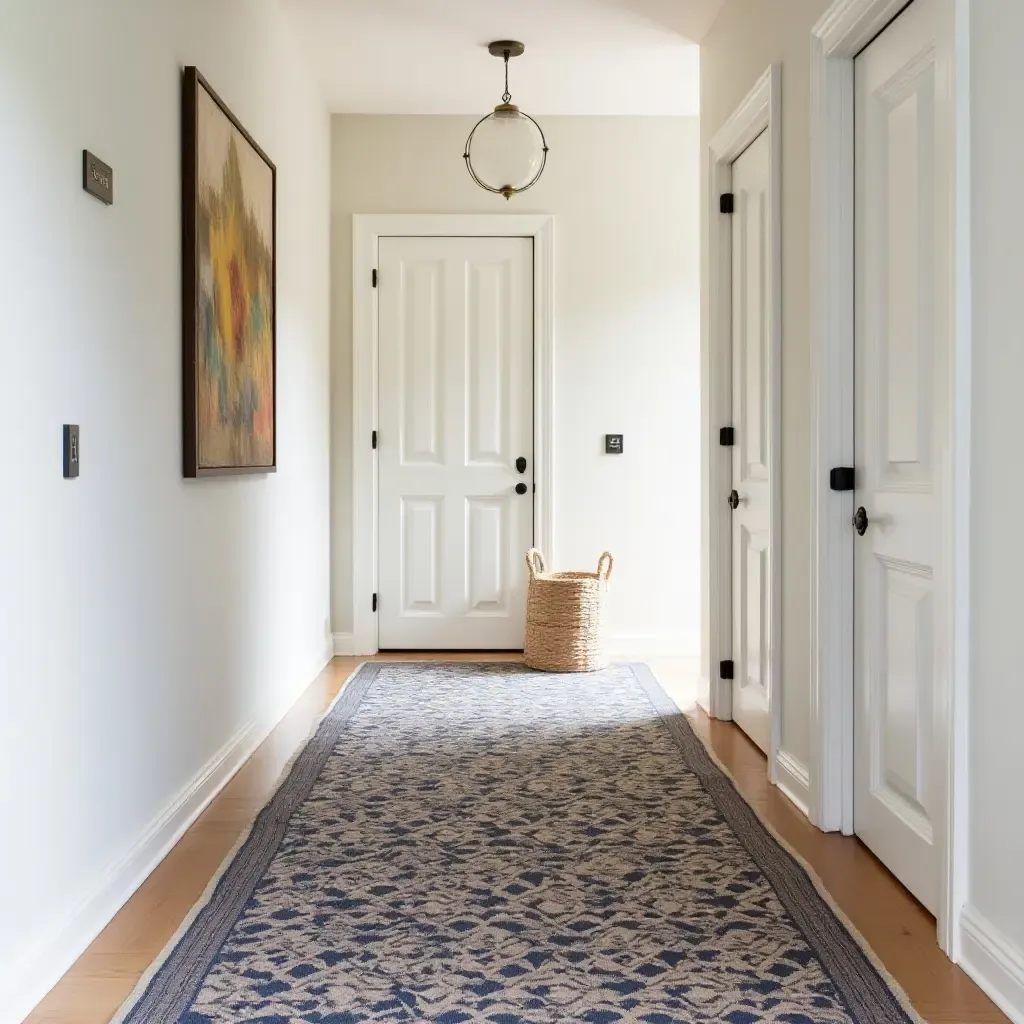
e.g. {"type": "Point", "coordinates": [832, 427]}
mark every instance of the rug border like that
{"type": "Point", "coordinates": [665, 707]}
{"type": "Point", "coordinates": [142, 986]}
{"type": "Point", "coordinates": [640, 671]}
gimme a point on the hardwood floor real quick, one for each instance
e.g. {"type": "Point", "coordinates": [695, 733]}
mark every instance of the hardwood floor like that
{"type": "Point", "coordinates": [899, 930]}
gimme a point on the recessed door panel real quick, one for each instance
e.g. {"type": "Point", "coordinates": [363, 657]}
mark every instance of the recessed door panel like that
{"type": "Point", "coordinates": [753, 555]}
{"type": "Point", "coordinates": [422, 557]}
{"type": "Point", "coordinates": [751, 596]}
{"type": "Point", "coordinates": [455, 390]}
{"type": "Point", "coordinates": [421, 346]}
{"type": "Point", "coordinates": [902, 692]}
{"type": "Point", "coordinates": [489, 379]}
{"type": "Point", "coordinates": [752, 332]}
{"type": "Point", "coordinates": [902, 179]}
{"type": "Point", "coordinates": [487, 556]}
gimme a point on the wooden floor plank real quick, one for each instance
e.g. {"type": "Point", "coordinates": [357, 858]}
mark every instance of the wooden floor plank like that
{"type": "Point", "coordinates": [899, 930]}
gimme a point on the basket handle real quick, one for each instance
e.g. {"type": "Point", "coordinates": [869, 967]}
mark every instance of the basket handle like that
{"type": "Point", "coordinates": [535, 563]}
{"type": "Point", "coordinates": [605, 564]}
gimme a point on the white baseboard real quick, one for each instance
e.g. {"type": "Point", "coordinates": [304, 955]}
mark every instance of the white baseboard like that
{"type": "Point", "coordinates": [665, 646]}
{"type": "Point", "coordinates": [353, 645]}
{"type": "Point", "coordinates": [344, 644]}
{"type": "Point", "coordinates": [793, 778]}
{"type": "Point", "coordinates": [25, 982]}
{"type": "Point", "coordinates": [994, 962]}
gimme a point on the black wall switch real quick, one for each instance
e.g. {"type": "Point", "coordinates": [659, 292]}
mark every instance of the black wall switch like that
{"type": "Point", "coordinates": [613, 444]}
{"type": "Point", "coordinates": [71, 451]}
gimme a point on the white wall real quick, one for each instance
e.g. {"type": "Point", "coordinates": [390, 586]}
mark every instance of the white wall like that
{"type": "Point", "coordinates": [747, 37]}
{"type": "Point", "coordinates": [997, 670]}
{"type": "Point", "coordinates": [624, 194]}
{"type": "Point", "coordinates": [145, 620]}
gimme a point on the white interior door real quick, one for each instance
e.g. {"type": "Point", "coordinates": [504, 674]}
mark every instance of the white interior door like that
{"type": "Point", "coordinates": [903, 330]}
{"type": "Point", "coordinates": [751, 592]}
{"type": "Point", "coordinates": [455, 414]}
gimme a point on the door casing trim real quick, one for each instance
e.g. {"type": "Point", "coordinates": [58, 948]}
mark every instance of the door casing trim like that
{"type": "Point", "coordinates": [845, 29]}
{"type": "Point", "coordinates": [760, 111]}
{"type": "Point", "coordinates": [367, 230]}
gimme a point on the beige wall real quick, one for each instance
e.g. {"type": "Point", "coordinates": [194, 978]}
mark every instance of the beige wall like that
{"type": "Point", "coordinates": [623, 191]}
{"type": "Point", "coordinates": [747, 37]}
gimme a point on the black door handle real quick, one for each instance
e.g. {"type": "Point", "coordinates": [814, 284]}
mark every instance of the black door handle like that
{"type": "Point", "coordinates": [734, 501]}
{"type": "Point", "coordinates": [860, 521]}
{"type": "Point", "coordinates": [521, 464]}
{"type": "Point", "coordinates": [521, 488]}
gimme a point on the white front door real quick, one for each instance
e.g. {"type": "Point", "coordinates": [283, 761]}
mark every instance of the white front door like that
{"type": "Point", "coordinates": [455, 415]}
{"type": "Point", "coordinates": [751, 596]}
{"type": "Point", "coordinates": [903, 329]}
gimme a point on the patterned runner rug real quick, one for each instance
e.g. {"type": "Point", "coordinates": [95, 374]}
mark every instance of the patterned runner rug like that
{"type": "Point", "coordinates": [478, 842]}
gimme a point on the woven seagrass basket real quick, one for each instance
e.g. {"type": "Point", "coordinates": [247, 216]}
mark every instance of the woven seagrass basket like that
{"type": "Point", "coordinates": [565, 616]}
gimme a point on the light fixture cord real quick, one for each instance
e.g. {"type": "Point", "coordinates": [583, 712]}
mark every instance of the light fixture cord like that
{"type": "Point", "coordinates": [506, 95]}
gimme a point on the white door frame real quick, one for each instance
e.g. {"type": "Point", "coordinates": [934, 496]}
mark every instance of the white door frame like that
{"type": "Point", "coordinates": [367, 230]}
{"type": "Point", "coordinates": [759, 112]}
{"type": "Point", "coordinates": [845, 29]}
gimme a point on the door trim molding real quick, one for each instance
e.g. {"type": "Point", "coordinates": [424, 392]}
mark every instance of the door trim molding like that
{"type": "Point", "coordinates": [367, 230]}
{"type": "Point", "coordinates": [760, 111]}
{"type": "Point", "coordinates": [845, 29]}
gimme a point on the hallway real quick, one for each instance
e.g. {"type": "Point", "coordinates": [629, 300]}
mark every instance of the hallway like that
{"type": "Point", "coordinates": [898, 930]}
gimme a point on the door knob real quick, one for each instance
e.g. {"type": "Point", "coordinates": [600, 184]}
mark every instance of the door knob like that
{"type": "Point", "coordinates": [521, 464]}
{"type": "Point", "coordinates": [520, 488]}
{"type": "Point", "coordinates": [734, 501]}
{"type": "Point", "coordinates": [860, 521]}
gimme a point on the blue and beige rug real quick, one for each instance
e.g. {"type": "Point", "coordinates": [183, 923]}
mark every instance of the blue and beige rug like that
{"type": "Point", "coordinates": [478, 842]}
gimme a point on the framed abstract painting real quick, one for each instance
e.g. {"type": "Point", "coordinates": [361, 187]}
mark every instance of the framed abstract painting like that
{"type": "Point", "coordinates": [229, 195]}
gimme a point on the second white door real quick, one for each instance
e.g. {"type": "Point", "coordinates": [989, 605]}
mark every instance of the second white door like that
{"type": "Point", "coordinates": [455, 456]}
{"type": "Point", "coordinates": [751, 311]}
{"type": "Point", "coordinates": [902, 382]}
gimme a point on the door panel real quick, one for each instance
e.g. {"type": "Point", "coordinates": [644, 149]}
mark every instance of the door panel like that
{"type": "Point", "coordinates": [900, 411]}
{"type": "Point", "coordinates": [455, 412]}
{"type": "Point", "coordinates": [751, 598]}
{"type": "Point", "coordinates": [421, 362]}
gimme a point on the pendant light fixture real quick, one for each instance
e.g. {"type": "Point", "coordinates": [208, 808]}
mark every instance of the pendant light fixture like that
{"type": "Point", "coordinates": [506, 151]}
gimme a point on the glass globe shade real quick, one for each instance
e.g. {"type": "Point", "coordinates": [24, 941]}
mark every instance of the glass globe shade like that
{"type": "Point", "coordinates": [506, 150]}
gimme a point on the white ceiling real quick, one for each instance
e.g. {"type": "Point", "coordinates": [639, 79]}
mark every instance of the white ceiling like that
{"type": "Point", "coordinates": [430, 56]}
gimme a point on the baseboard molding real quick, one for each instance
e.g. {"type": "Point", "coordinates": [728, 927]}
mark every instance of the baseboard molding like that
{"type": "Point", "coordinates": [994, 962]}
{"type": "Point", "coordinates": [24, 983]}
{"type": "Point", "coordinates": [344, 644]}
{"type": "Point", "coordinates": [793, 778]}
{"type": "Point", "coordinates": [353, 645]}
{"type": "Point", "coordinates": [631, 645]}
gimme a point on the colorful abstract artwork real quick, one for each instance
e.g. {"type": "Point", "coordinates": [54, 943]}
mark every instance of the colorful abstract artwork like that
{"type": "Point", "coordinates": [229, 294]}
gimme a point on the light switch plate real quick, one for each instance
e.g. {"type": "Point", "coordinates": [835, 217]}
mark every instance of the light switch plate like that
{"type": "Point", "coordinates": [72, 452]}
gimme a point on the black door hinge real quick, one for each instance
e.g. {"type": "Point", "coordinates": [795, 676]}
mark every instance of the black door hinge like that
{"type": "Point", "coordinates": [727, 203]}
{"type": "Point", "coordinates": [374, 277]}
{"type": "Point", "coordinates": [725, 670]}
{"type": "Point", "coordinates": [373, 440]}
{"type": "Point", "coordinates": [374, 602]}
{"type": "Point", "coordinates": [841, 478]}
{"type": "Point", "coordinates": [727, 437]}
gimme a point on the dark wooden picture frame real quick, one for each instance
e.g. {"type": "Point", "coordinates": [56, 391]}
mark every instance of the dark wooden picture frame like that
{"type": "Point", "coordinates": [199, 321]}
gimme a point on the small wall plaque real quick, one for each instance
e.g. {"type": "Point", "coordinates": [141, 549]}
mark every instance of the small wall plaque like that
{"type": "Point", "coordinates": [613, 444]}
{"type": "Point", "coordinates": [97, 178]}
